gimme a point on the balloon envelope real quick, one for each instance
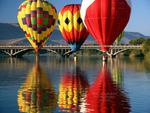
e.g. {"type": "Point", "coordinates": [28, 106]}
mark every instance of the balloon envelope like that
{"type": "Point", "coordinates": [105, 19]}
{"type": "Point", "coordinates": [37, 18]}
{"type": "Point", "coordinates": [71, 26]}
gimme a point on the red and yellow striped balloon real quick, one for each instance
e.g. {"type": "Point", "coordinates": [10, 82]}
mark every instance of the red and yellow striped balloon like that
{"type": "Point", "coordinates": [37, 18]}
{"type": "Point", "coordinates": [71, 26]}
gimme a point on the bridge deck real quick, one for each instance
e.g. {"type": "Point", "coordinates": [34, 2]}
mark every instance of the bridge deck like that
{"type": "Point", "coordinates": [19, 50]}
{"type": "Point", "coordinates": [67, 47]}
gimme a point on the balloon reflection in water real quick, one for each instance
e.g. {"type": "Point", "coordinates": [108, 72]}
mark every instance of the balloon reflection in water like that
{"type": "Point", "coordinates": [36, 94]}
{"type": "Point", "coordinates": [105, 97]}
{"type": "Point", "coordinates": [72, 90]}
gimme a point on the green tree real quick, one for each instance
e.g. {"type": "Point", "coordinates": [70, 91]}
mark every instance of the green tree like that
{"type": "Point", "coordinates": [136, 53]}
{"type": "Point", "coordinates": [118, 39]}
{"type": "Point", "coordinates": [146, 46]}
{"type": "Point", "coordinates": [137, 41]}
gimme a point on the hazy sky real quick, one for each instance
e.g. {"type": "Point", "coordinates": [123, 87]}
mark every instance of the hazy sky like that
{"type": "Point", "coordinates": [139, 21]}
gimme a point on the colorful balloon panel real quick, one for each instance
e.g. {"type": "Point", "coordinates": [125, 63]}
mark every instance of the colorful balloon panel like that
{"type": "Point", "coordinates": [71, 26]}
{"type": "Point", "coordinates": [105, 19]}
{"type": "Point", "coordinates": [37, 18]}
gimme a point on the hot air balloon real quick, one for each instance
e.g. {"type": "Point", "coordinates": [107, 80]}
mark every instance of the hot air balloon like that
{"type": "Point", "coordinates": [36, 94]}
{"type": "Point", "coordinates": [71, 26]}
{"type": "Point", "coordinates": [104, 96]}
{"type": "Point", "coordinates": [72, 89]}
{"type": "Point", "coordinates": [37, 18]}
{"type": "Point", "coordinates": [105, 19]}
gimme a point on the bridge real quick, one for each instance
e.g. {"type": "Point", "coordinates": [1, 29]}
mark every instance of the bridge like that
{"type": "Point", "coordinates": [20, 46]}
{"type": "Point", "coordinates": [19, 50]}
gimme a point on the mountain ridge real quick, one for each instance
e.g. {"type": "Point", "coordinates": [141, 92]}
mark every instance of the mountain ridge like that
{"type": "Point", "coordinates": [12, 31]}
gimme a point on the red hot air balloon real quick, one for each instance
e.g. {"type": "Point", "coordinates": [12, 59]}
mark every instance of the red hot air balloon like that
{"type": "Point", "coordinates": [104, 96]}
{"type": "Point", "coordinates": [71, 26]}
{"type": "Point", "coordinates": [105, 19]}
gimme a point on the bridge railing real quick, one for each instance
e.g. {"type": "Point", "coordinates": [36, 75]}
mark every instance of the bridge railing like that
{"type": "Point", "coordinates": [66, 46]}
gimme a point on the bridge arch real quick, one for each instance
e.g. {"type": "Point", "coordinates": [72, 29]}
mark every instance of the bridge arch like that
{"type": "Point", "coordinates": [5, 52]}
{"type": "Point", "coordinates": [98, 50]}
{"type": "Point", "coordinates": [22, 52]}
{"type": "Point", "coordinates": [92, 51]}
{"type": "Point", "coordinates": [120, 51]}
{"type": "Point", "coordinates": [52, 51]}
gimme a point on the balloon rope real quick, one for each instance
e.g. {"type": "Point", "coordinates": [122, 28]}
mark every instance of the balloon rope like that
{"type": "Point", "coordinates": [36, 58]}
{"type": "Point", "coordinates": [104, 56]}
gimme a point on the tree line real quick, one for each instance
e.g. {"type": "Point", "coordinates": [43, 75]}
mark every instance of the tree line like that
{"type": "Point", "coordinates": [144, 52]}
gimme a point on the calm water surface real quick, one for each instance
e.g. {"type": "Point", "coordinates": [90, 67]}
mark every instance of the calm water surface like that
{"type": "Point", "coordinates": [56, 85]}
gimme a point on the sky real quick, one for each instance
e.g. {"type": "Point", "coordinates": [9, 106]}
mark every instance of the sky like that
{"type": "Point", "coordinates": [139, 20]}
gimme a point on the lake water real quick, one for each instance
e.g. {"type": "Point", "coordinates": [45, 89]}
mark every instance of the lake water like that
{"type": "Point", "coordinates": [88, 85]}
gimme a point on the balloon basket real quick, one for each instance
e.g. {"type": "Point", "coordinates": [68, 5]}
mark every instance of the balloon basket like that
{"type": "Point", "coordinates": [104, 57]}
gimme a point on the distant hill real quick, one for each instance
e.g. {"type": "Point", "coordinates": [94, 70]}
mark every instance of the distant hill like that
{"type": "Point", "coordinates": [11, 31]}
{"type": "Point", "coordinates": [131, 35]}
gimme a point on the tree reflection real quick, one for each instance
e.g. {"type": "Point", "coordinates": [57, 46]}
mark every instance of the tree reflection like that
{"type": "Point", "coordinates": [116, 70]}
{"type": "Point", "coordinates": [72, 90]}
{"type": "Point", "coordinates": [104, 96]}
{"type": "Point", "coordinates": [36, 94]}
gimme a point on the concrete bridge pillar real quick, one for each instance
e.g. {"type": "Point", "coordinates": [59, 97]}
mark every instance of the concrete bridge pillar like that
{"type": "Point", "coordinates": [11, 52]}
{"type": "Point", "coordinates": [111, 53]}
{"type": "Point", "coordinates": [112, 56]}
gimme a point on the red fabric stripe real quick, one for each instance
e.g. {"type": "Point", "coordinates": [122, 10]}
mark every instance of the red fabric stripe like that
{"type": "Point", "coordinates": [75, 36]}
{"type": "Point", "coordinates": [40, 21]}
{"type": "Point", "coordinates": [46, 15]}
{"type": "Point", "coordinates": [34, 41]}
{"type": "Point", "coordinates": [50, 21]}
{"type": "Point", "coordinates": [71, 7]}
{"type": "Point", "coordinates": [28, 35]}
{"type": "Point", "coordinates": [33, 15]}
{"type": "Point", "coordinates": [39, 11]}
{"type": "Point", "coordinates": [23, 6]}
{"type": "Point", "coordinates": [28, 21]}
